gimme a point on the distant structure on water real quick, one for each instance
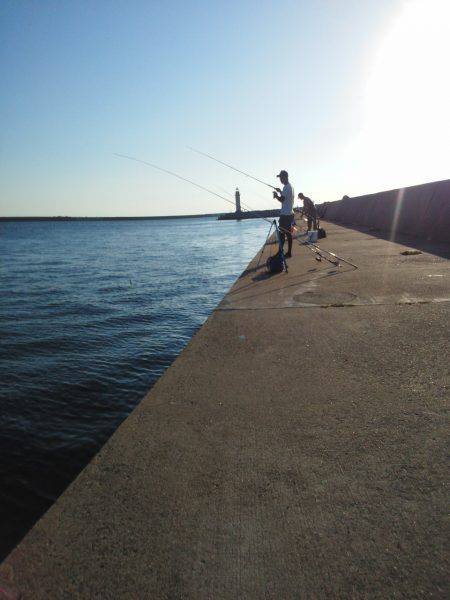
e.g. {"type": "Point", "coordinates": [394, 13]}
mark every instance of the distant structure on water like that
{"type": "Point", "coordinates": [237, 195]}
{"type": "Point", "coordinates": [247, 214]}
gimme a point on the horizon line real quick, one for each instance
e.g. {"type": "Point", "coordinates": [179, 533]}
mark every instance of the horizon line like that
{"type": "Point", "coordinates": [68, 217]}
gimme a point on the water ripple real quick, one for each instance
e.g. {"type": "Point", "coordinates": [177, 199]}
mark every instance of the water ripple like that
{"type": "Point", "coordinates": [91, 314]}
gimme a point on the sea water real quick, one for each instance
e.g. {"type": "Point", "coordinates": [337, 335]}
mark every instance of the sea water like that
{"type": "Point", "coordinates": [91, 314]}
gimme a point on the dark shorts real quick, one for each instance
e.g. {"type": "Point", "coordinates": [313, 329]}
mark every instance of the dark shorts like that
{"type": "Point", "coordinates": [285, 222]}
{"type": "Point", "coordinates": [311, 212]}
{"type": "Point", "coordinates": [312, 222]}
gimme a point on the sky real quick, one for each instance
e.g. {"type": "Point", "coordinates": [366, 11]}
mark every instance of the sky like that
{"type": "Point", "coordinates": [350, 97]}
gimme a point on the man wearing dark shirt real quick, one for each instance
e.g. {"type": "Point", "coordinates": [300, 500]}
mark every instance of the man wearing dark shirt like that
{"type": "Point", "coordinates": [309, 210]}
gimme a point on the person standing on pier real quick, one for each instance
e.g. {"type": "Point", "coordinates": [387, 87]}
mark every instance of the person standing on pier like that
{"type": "Point", "coordinates": [309, 210]}
{"type": "Point", "coordinates": [286, 197]}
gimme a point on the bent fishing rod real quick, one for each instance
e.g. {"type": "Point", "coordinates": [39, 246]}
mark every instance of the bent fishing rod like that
{"type": "Point", "coordinates": [231, 167]}
{"type": "Point", "coordinates": [197, 185]}
{"type": "Point", "coordinates": [149, 164]}
{"type": "Point", "coordinates": [201, 187]}
{"type": "Point", "coordinates": [243, 173]}
{"type": "Point", "coordinates": [238, 171]}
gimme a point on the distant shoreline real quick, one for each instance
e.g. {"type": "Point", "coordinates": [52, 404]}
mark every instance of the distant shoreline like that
{"type": "Point", "coordinates": [107, 218]}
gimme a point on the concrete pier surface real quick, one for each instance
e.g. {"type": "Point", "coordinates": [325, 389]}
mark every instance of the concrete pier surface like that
{"type": "Point", "coordinates": [295, 449]}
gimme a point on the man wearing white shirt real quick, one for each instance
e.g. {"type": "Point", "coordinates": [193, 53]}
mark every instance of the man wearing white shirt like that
{"type": "Point", "coordinates": [286, 197]}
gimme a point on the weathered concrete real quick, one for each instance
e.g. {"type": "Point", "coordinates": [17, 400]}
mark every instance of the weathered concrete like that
{"type": "Point", "coordinates": [421, 211]}
{"type": "Point", "coordinates": [295, 449]}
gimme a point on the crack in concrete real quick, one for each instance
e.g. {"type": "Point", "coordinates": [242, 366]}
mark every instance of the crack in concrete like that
{"type": "Point", "coordinates": [338, 304]}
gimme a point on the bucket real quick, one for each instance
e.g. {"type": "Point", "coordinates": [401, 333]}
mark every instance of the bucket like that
{"type": "Point", "coordinates": [312, 236]}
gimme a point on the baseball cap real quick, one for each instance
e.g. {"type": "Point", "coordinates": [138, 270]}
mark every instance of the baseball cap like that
{"type": "Point", "coordinates": [282, 173]}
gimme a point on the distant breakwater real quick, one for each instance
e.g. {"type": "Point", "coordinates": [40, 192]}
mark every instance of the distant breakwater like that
{"type": "Point", "coordinates": [249, 214]}
{"type": "Point", "coordinates": [6, 219]}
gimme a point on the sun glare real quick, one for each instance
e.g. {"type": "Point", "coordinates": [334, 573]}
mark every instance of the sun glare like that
{"type": "Point", "coordinates": [406, 132]}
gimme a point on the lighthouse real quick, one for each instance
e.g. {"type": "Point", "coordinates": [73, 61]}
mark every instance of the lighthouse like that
{"type": "Point", "coordinates": [237, 195]}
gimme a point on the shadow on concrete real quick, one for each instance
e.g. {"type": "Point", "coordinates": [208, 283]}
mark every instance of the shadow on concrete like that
{"type": "Point", "coordinates": [294, 282]}
{"type": "Point", "coordinates": [261, 276]}
{"type": "Point", "coordinates": [440, 249]}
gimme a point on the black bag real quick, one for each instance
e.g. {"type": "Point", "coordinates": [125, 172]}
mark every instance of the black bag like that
{"type": "Point", "coordinates": [275, 263]}
{"type": "Point", "coordinates": [321, 233]}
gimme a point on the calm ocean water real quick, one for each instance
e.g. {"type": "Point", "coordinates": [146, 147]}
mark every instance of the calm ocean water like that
{"type": "Point", "coordinates": [91, 314]}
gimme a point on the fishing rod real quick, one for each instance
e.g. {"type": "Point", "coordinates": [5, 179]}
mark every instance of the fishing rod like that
{"type": "Point", "coordinates": [338, 258]}
{"type": "Point", "coordinates": [227, 192]}
{"type": "Point", "coordinates": [149, 164]}
{"type": "Point", "coordinates": [201, 187]}
{"type": "Point", "coordinates": [238, 171]}
{"type": "Point", "coordinates": [319, 256]}
{"type": "Point", "coordinates": [230, 166]}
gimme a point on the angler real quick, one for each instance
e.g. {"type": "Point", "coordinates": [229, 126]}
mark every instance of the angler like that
{"type": "Point", "coordinates": [309, 211]}
{"type": "Point", "coordinates": [286, 221]}
{"type": "Point", "coordinates": [275, 264]}
{"type": "Point", "coordinates": [335, 259]}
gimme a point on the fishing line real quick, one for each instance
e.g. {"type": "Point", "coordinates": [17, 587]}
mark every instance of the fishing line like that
{"type": "Point", "coordinates": [238, 171]}
{"type": "Point", "coordinates": [228, 193]}
{"type": "Point", "coordinates": [149, 164]}
{"type": "Point", "coordinates": [230, 166]}
{"type": "Point", "coordinates": [197, 185]}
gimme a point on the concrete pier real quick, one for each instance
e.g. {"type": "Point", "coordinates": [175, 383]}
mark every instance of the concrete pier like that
{"type": "Point", "coordinates": [420, 211]}
{"type": "Point", "coordinates": [295, 449]}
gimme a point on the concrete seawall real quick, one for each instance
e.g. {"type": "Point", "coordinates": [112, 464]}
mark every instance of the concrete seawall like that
{"type": "Point", "coordinates": [421, 211]}
{"type": "Point", "coordinates": [295, 449]}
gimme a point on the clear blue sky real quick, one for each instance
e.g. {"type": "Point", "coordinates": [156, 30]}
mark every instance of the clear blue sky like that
{"type": "Point", "coordinates": [349, 96]}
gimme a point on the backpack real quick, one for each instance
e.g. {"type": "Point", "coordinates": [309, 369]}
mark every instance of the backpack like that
{"type": "Point", "coordinates": [321, 233]}
{"type": "Point", "coordinates": [275, 264]}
